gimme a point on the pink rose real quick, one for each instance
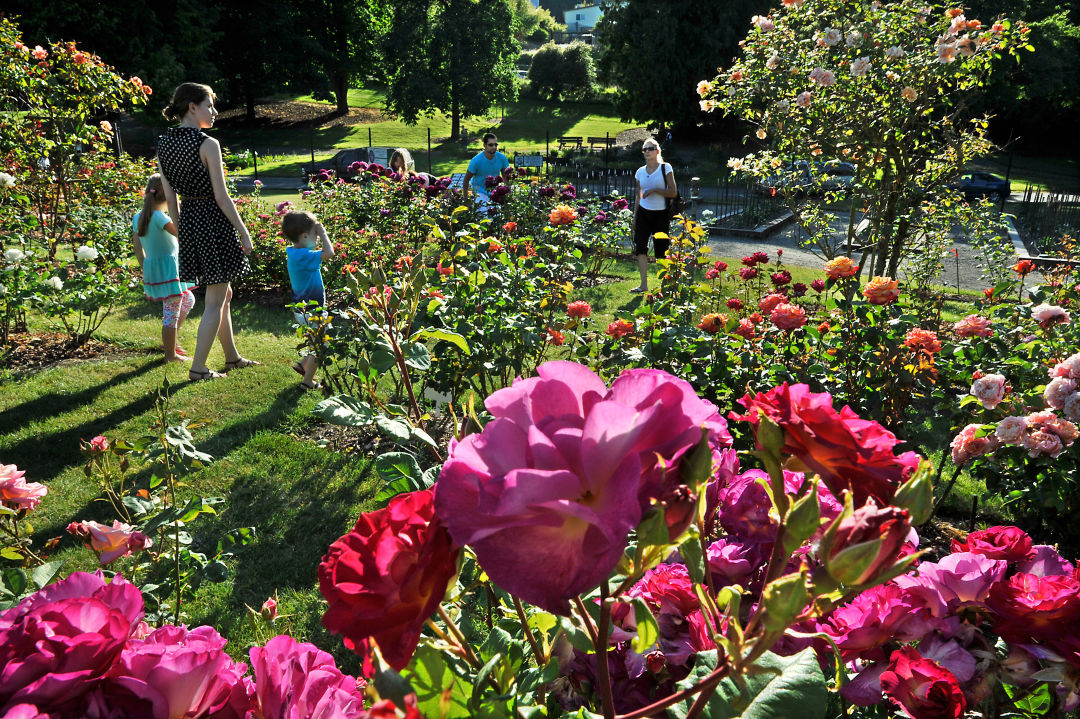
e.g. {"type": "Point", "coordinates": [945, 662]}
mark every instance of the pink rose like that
{"type": "Point", "coordinates": [973, 326]}
{"type": "Point", "coordinates": [111, 543]}
{"type": "Point", "coordinates": [803, 100]}
{"type": "Point", "coordinates": [958, 580]}
{"type": "Point", "coordinates": [1071, 407]}
{"type": "Point", "coordinates": [16, 493]}
{"type": "Point", "coordinates": [269, 609]}
{"type": "Point", "coordinates": [294, 679]}
{"type": "Point", "coordinates": [989, 390]}
{"type": "Point", "coordinates": [1070, 367]}
{"type": "Point", "coordinates": [1058, 390]}
{"type": "Point", "coordinates": [99, 443]}
{"type": "Point", "coordinates": [788, 317]}
{"type": "Point", "coordinates": [822, 77]}
{"type": "Point", "coordinates": [1011, 429]}
{"type": "Point", "coordinates": [1049, 315]}
{"type": "Point", "coordinates": [548, 492]}
{"type": "Point", "coordinates": [1009, 543]}
{"type": "Point", "coordinates": [769, 301]}
{"type": "Point", "coordinates": [966, 446]}
{"type": "Point", "coordinates": [921, 687]}
{"type": "Point", "coordinates": [57, 644]}
{"type": "Point", "coordinates": [1045, 561]}
{"type": "Point", "coordinates": [1047, 434]}
{"type": "Point", "coordinates": [1029, 607]}
{"type": "Point", "coordinates": [188, 671]}
{"type": "Point", "coordinates": [863, 627]}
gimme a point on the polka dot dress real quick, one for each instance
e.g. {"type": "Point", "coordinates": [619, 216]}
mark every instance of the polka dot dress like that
{"type": "Point", "coordinates": [210, 250]}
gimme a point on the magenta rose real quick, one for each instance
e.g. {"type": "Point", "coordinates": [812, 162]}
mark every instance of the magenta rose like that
{"type": "Point", "coordinates": [1009, 543]}
{"type": "Point", "coordinates": [848, 452]}
{"type": "Point", "coordinates": [1045, 561]}
{"type": "Point", "coordinates": [1031, 607]}
{"type": "Point", "coordinates": [294, 679]}
{"type": "Point", "coordinates": [188, 671]}
{"type": "Point", "coordinates": [921, 687]}
{"type": "Point", "coordinates": [387, 576]}
{"type": "Point", "coordinates": [863, 627]}
{"type": "Point", "coordinates": [548, 492]}
{"type": "Point", "coordinates": [56, 645]}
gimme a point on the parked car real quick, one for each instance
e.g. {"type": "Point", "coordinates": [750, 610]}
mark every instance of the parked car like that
{"type": "Point", "coordinates": [981, 184]}
{"type": "Point", "coordinates": [833, 176]}
{"type": "Point", "coordinates": [793, 176]}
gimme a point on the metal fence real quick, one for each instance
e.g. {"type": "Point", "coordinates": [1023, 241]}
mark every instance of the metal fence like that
{"type": "Point", "coordinates": [1044, 217]}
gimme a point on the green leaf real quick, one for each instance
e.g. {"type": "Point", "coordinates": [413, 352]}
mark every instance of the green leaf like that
{"type": "Point", "coordinates": [396, 430]}
{"type": "Point", "coordinates": [393, 466]}
{"type": "Point", "coordinates": [344, 410]}
{"type": "Point", "coordinates": [445, 336]}
{"type": "Point", "coordinates": [648, 631]}
{"type": "Point", "coordinates": [46, 572]}
{"type": "Point", "coordinates": [216, 571]}
{"type": "Point", "coordinates": [439, 692]}
{"type": "Point", "coordinates": [11, 553]}
{"type": "Point", "coordinates": [417, 355]}
{"type": "Point", "coordinates": [784, 687]}
{"type": "Point", "coordinates": [13, 581]}
{"type": "Point", "coordinates": [690, 549]}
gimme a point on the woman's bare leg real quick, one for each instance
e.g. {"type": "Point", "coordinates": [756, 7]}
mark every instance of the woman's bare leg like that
{"type": "Point", "coordinates": [210, 324]}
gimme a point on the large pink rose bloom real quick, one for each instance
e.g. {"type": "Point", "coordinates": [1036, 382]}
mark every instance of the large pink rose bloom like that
{"type": "Point", "coordinates": [294, 679]}
{"type": "Point", "coordinates": [1032, 607]}
{"type": "Point", "coordinates": [863, 627]}
{"type": "Point", "coordinates": [989, 390]}
{"type": "Point", "coordinates": [848, 452]}
{"type": "Point", "coordinates": [187, 671]}
{"type": "Point", "coordinates": [119, 540]}
{"type": "Point", "coordinates": [1009, 543]}
{"type": "Point", "coordinates": [958, 580]}
{"type": "Point", "coordinates": [547, 493]}
{"type": "Point", "coordinates": [15, 492]}
{"type": "Point", "coordinates": [57, 644]}
{"type": "Point", "coordinates": [922, 688]}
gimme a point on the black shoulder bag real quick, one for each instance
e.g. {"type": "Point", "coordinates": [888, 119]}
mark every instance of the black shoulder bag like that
{"type": "Point", "coordinates": [673, 205]}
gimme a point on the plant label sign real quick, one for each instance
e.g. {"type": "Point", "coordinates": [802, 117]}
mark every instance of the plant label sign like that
{"type": "Point", "coordinates": [457, 181]}
{"type": "Point", "coordinates": [529, 160]}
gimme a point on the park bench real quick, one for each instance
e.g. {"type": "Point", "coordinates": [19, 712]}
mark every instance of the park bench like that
{"type": "Point", "coordinates": [603, 142]}
{"type": "Point", "coordinates": [570, 140]}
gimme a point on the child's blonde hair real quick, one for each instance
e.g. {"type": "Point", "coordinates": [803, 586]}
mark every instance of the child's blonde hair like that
{"type": "Point", "coordinates": [407, 164]}
{"type": "Point", "coordinates": [153, 195]}
{"type": "Point", "coordinates": [296, 223]}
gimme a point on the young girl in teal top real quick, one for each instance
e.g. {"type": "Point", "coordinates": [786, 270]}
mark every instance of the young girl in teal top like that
{"type": "Point", "coordinates": [157, 250]}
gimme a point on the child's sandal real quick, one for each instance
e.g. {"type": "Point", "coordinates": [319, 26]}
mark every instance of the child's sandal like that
{"type": "Point", "coordinates": [241, 363]}
{"type": "Point", "coordinates": [315, 384]}
{"type": "Point", "coordinates": [199, 376]}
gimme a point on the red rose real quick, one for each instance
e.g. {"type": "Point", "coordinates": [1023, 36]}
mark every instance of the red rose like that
{"type": "Point", "coordinates": [848, 452]}
{"type": "Point", "coordinates": [386, 577]}
{"type": "Point", "coordinates": [921, 687]}
{"type": "Point", "coordinates": [1032, 607]}
{"type": "Point", "coordinates": [1009, 543]}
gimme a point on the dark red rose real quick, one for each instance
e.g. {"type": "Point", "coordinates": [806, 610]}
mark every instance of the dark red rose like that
{"type": "Point", "coordinates": [386, 577]}
{"type": "Point", "coordinates": [1009, 543]}
{"type": "Point", "coordinates": [921, 687]}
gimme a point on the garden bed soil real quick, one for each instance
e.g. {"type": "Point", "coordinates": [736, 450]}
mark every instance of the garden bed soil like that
{"type": "Point", "coordinates": [291, 114]}
{"type": "Point", "coordinates": [582, 281]}
{"type": "Point", "coordinates": [34, 351]}
{"type": "Point", "coordinates": [367, 441]}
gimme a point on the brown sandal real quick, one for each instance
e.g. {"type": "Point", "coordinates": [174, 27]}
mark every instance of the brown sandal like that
{"type": "Point", "coordinates": [199, 376]}
{"type": "Point", "coordinates": [241, 363]}
{"type": "Point", "coordinates": [315, 384]}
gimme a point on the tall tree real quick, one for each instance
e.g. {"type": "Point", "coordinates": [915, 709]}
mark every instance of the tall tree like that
{"type": "Point", "coordinates": [454, 56]}
{"type": "Point", "coordinates": [656, 52]}
{"type": "Point", "coordinates": [346, 37]}
{"type": "Point", "coordinates": [261, 49]}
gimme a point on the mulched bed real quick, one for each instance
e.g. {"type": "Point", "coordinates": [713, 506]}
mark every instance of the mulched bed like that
{"type": "Point", "coordinates": [367, 441]}
{"type": "Point", "coordinates": [596, 281]}
{"type": "Point", "coordinates": [284, 114]}
{"type": "Point", "coordinates": [36, 351]}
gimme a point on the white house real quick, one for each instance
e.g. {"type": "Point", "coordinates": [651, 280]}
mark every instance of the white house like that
{"type": "Point", "coordinates": [582, 18]}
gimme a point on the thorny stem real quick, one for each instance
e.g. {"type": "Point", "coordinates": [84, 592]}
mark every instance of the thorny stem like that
{"type": "Point", "coordinates": [586, 619]}
{"type": "Point", "coordinates": [607, 701]}
{"type": "Point", "coordinates": [706, 684]}
{"type": "Point", "coordinates": [459, 638]}
{"type": "Point", "coordinates": [541, 660]}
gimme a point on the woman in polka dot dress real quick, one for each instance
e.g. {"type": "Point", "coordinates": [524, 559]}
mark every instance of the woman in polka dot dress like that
{"type": "Point", "coordinates": [214, 243]}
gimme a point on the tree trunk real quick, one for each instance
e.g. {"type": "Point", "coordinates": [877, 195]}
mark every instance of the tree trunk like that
{"type": "Point", "coordinates": [249, 104]}
{"type": "Point", "coordinates": [341, 91]}
{"type": "Point", "coordinates": [455, 119]}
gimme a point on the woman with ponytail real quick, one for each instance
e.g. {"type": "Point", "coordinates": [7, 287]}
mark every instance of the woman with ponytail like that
{"type": "Point", "coordinates": [156, 249]}
{"type": "Point", "coordinates": [214, 243]}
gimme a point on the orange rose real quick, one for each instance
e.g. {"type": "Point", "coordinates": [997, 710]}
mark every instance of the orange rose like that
{"type": "Point", "coordinates": [881, 291]}
{"type": "Point", "coordinates": [840, 267]}
{"type": "Point", "coordinates": [562, 215]}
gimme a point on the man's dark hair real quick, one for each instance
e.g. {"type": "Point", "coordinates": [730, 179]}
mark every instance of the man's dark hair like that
{"type": "Point", "coordinates": [489, 136]}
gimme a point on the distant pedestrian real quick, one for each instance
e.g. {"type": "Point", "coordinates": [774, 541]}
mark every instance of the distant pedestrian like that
{"type": "Point", "coordinates": [656, 183]}
{"type": "Point", "coordinates": [214, 243]}
{"type": "Point", "coordinates": [489, 163]}
{"type": "Point", "coordinates": [310, 248]}
{"type": "Point", "coordinates": [157, 251]}
{"type": "Point", "coordinates": [401, 162]}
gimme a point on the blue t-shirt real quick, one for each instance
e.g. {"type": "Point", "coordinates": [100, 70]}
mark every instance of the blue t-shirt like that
{"type": "Point", "coordinates": [305, 274]}
{"type": "Point", "coordinates": [481, 167]}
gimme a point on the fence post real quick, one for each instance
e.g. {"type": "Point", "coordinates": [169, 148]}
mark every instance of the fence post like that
{"type": "Point", "coordinates": [311, 145]}
{"type": "Point", "coordinates": [369, 138]}
{"type": "Point", "coordinates": [429, 152]}
{"type": "Point", "coordinates": [255, 158]}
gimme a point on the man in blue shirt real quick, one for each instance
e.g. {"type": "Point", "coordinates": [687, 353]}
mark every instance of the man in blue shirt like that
{"type": "Point", "coordinates": [489, 162]}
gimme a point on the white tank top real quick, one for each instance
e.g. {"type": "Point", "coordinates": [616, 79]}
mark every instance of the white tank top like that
{"type": "Point", "coordinates": [655, 181]}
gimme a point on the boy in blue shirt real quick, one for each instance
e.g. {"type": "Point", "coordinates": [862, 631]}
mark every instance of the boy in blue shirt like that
{"type": "Point", "coordinates": [489, 162]}
{"type": "Point", "coordinates": [304, 263]}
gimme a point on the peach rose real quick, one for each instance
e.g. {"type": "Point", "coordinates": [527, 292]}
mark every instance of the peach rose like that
{"type": "Point", "coordinates": [881, 291]}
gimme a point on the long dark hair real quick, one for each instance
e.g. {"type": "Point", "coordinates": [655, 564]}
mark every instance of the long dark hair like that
{"type": "Point", "coordinates": [185, 94]}
{"type": "Point", "coordinates": [152, 197]}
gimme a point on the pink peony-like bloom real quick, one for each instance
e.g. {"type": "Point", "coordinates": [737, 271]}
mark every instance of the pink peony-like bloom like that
{"type": "Point", "coordinates": [860, 66]}
{"type": "Point", "coordinates": [920, 339]}
{"type": "Point", "coordinates": [973, 326]}
{"type": "Point", "coordinates": [822, 77]}
{"type": "Point", "coordinates": [1049, 315]}
{"type": "Point", "coordinates": [847, 451]}
{"type": "Point", "coordinates": [1029, 607]}
{"type": "Point", "coordinates": [733, 562]}
{"type": "Point", "coordinates": [1047, 434]}
{"type": "Point", "coordinates": [1070, 367]}
{"type": "Point", "coordinates": [958, 580]}
{"type": "Point", "coordinates": [767, 303]}
{"type": "Point", "coordinates": [788, 317]}
{"type": "Point", "coordinates": [111, 543]}
{"type": "Point", "coordinates": [804, 99]}
{"type": "Point", "coordinates": [881, 291]}
{"type": "Point", "coordinates": [1058, 390]}
{"type": "Point", "coordinates": [57, 644]}
{"type": "Point", "coordinates": [297, 679]}
{"type": "Point", "coordinates": [1071, 407]}
{"type": "Point", "coordinates": [384, 578]}
{"type": "Point", "coordinates": [989, 390]}
{"type": "Point", "coordinates": [578, 309]}
{"type": "Point", "coordinates": [840, 267]}
{"type": "Point", "coordinates": [99, 443]}
{"type": "Point", "coordinates": [744, 509]}
{"type": "Point", "coordinates": [863, 627]}
{"type": "Point", "coordinates": [187, 671]}
{"type": "Point", "coordinates": [1011, 430]}
{"type": "Point", "coordinates": [16, 493]}
{"type": "Point", "coordinates": [745, 329]}
{"type": "Point", "coordinates": [547, 493]}
{"type": "Point", "coordinates": [1009, 543]}
{"type": "Point", "coordinates": [921, 687]}
{"type": "Point", "coordinates": [967, 445]}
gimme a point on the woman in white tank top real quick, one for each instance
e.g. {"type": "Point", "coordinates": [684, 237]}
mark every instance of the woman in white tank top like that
{"type": "Point", "coordinates": [656, 183]}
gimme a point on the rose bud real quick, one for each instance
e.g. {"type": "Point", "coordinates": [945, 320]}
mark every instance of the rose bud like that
{"type": "Point", "coordinates": [680, 506]}
{"type": "Point", "coordinates": [269, 610]}
{"type": "Point", "coordinates": [782, 600]}
{"type": "Point", "coordinates": [654, 661]}
{"type": "Point", "coordinates": [860, 545]}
